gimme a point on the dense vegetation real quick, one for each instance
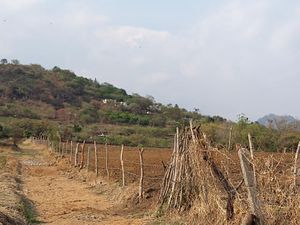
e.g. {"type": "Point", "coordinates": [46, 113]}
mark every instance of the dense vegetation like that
{"type": "Point", "coordinates": [34, 100]}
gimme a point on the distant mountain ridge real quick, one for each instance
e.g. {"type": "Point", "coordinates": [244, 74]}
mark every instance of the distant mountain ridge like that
{"type": "Point", "coordinates": [273, 120]}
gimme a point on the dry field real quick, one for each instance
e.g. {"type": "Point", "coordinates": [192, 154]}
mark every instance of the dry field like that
{"type": "Point", "coordinates": [154, 161]}
{"type": "Point", "coordinates": [64, 194]}
{"type": "Point", "coordinates": [274, 174]}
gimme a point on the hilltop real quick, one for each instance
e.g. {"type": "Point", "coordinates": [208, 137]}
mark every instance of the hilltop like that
{"type": "Point", "coordinates": [277, 121]}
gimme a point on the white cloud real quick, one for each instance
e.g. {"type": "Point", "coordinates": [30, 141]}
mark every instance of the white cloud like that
{"type": "Point", "coordinates": [238, 58]}
{"type": "Point", "coordinates": [17, 4]}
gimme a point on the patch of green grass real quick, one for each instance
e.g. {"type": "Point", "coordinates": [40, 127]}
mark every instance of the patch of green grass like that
{"type": "Point", "coordinates": [29, 212]}
{"type": "Point", "coordinates": [164, 222]}
{"type": "Point", "coordinates": [25, 153]}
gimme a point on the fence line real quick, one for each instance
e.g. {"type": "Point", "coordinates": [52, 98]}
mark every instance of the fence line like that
{"type": "Point", "coordinates": [79, 158]}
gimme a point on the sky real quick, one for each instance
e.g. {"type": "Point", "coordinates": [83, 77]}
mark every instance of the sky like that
{"type": "Point", "coordinates": [221, 57]}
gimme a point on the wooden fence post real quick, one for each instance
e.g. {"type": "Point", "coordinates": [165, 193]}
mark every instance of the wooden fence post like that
{"type": "Point", "coordinates": [106, 160]}
{"type": "Point", "coordinates": [62, 150]}
{"type": "Point", "coordinates": [96, 158]}
{"type": "Point", "coordinates": [295, 165]}
{"type": "Point", "coordinates": [66, 147]}
{"type": "Point", "coordinates": [88, 159]}
{"type": "Point", "coordinates": [76, 155]}
{"type": "Point", "coordinates": [250, 145]}
{"type": "Point", "coordinates": [229, 139]}
{"type": "Point", "coordinates": [176, 155]}
{"type": "Point", "coordinates": [58, 148]}
{"type": "Point", "coordinates": [122, 166]}
{"type": "Point", "coordinates": [141, 188]}
{"type": "Point", "coordinates": [47, 142]}
{"type": "Point", "coordinates": [82, 155]}
{"type": "Point", "coordinates": [249, 178]}
{"type": "Point", "coordinates": [71, 152]}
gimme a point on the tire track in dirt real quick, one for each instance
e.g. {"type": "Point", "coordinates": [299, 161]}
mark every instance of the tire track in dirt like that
{"type": "Point", "coordinates": [62, 201]}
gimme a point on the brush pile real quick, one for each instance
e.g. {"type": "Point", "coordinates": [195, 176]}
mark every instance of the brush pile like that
{"type": "Point", "coordinates": [193, 176]}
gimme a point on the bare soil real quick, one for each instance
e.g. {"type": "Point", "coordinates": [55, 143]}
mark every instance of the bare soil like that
{"type": "Point", "coordinates": [58, 198]}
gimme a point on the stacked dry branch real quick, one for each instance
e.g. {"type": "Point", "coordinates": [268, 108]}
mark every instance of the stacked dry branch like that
{"type": "Point", "coordinates": [193, 175]}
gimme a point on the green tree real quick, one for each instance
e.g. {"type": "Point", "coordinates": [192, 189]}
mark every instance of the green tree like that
{"type": "Point", "coordinates": [15, 61]}
{"type": "Point", "coordinates": [4, 61]}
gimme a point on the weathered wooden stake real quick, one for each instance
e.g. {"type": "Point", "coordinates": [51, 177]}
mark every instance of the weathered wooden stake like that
{"type": "Point", "coordinates": [284, 150]}
{"type": "Point", "coordinates": [141, 188]}
{"type": "Point", "coordinates": [71, 152]}
{"type": "Point", "coordinates": [250, 145]}
{"type": "Point", "coordinates": [66, 147]}
{"type": "Point", "coordinates": [106, 160]}
{"type": "Point", "coordinates": [229, 139]}
{"type": "Point", "coordinates": [88, 159]}
{"type": "Point", "coordinates": [76, 155]}
{"type": "Point", "coordinates": [62, 150]}
{"type": "Point", "coordinates": [191, 128]}
{"type": "Point", "coordinates": [252, 156]}
{"type": "Point", "coordinates": [96, 158]}
{"type": "Point", "coordinates": [122, 166]}
{"type": "Point", "coordinates": [295, 165]}
{"type": "Point", "coordinates": [82, 154]}
{"type": "Point", "coordinates": [59, 146]}
{"type": "Point", "coordinates": [248, 174]}
{"type": "Point", "coordinates": [176, 147]}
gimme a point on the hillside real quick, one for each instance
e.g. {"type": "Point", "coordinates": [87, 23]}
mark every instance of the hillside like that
{"type": "Point", "coordinates": [35, 101]}
{"type": "Point", "coordinates": [277, 121]}
{"type": "Point", "coordinates": [33, 97]}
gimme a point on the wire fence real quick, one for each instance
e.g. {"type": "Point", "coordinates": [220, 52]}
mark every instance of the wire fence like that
{"type": "Point", "coordinates": [119, 163]}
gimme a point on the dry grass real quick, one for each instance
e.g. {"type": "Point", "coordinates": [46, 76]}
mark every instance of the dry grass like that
{"type": "Point", "coordinates": [280, 203]}
{"type": "Point", "coordinates": [12, 207]}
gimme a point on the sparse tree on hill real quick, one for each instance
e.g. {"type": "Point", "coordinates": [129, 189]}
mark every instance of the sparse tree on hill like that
{"type": "Point", "coordinates": [15, 61]}
{"type": "Point", "coordinates": [4, 61]}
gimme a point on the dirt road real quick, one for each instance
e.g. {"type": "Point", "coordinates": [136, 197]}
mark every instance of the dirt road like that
{"type": "Point", "coordinates": [59, 200]}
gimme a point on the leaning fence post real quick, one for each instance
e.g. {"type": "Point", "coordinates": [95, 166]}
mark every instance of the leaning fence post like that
{"type": "Point", "coordinates": [141, 188]}
{"type": "Point", "coordinates": [249, 178]}
{"type": "Point", "coordinates": [122, 166]}
{"type": "Point", "coordinates": [76, 155]}
{"type": "Point", "coordinates": [96, 158]}
{"type": "Point", "coordinates": [295, 165]}
{"type": "Point", "coordinates": [106, 160]}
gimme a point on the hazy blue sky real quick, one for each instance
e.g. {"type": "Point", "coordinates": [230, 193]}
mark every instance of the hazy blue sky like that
{"type": "Point", "coordinates": [223, 57]}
